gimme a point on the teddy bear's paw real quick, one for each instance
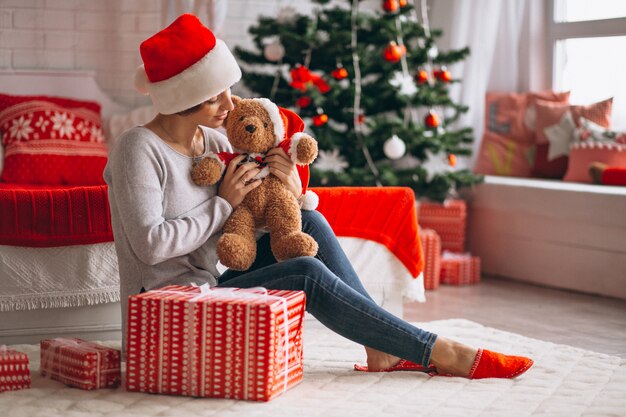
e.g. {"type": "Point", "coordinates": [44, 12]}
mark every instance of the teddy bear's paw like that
{"type": "Point", "coordinates": [293, 245]}
{"type": "Point", "coordinates": [207, 172]}
{"type": "Point", "coordinates": [236, 252]}
{"type": "Point", "coordinates": [304, 149]}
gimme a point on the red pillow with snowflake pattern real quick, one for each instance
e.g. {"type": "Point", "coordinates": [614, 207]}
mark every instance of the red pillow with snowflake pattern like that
{"type": "Point", "coordinates": [51, 141]}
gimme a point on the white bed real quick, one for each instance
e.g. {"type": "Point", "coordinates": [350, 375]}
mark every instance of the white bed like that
{"type": "Point", "coordinates": [73, 290]}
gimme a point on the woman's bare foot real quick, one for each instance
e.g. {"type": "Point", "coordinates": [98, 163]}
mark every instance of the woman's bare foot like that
{"type": "Point", "coordinates": [377, 360]}
{"type": "Point", "coordinates": [453, 357]}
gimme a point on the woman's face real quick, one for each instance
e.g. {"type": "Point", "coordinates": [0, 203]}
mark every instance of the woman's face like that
{"type": "Point", "coordinates": [214, 111]}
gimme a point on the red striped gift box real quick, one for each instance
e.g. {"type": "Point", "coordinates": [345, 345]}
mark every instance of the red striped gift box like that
{"type": "Point", "coordinates": [222, 342]}
{"type": "Point", "coordinates": [449, 220]}
{"type": "Point", "coordinates": [14, 372]}
{"type": "Point", "coordinates": [79, 363]}
{"type": "Point", "coordinates": [431, 247]}
{"type": "Point", "coordinates": [459, 269]}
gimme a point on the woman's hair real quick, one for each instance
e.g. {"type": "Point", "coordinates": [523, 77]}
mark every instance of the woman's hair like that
{"type": "Point", "coordinates": [190, 110]}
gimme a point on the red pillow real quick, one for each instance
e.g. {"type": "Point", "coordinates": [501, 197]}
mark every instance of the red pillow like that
{"type": "Point", "coordinates": [582, 154]}
{"type": "Point", "coordinates": [508, 143]}
{"type": "Point", "coordinates": [51, 140]}
{"type": "Point", "coordinates": [549, 117]}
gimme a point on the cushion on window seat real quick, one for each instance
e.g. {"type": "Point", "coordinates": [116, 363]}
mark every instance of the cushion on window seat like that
{"type": "Point", "coordinates": [46, 216]}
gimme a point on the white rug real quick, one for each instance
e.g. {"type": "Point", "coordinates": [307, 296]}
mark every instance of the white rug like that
{"type": "Point", "coordinates": [565, 381]}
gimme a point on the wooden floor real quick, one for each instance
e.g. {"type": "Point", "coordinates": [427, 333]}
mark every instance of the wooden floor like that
{"type": "Point", "coordinates": [575, 319]}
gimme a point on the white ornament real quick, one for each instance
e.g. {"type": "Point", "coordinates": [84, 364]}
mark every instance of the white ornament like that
{"type": "Point", "coordinates": [330, 161]}
{"type": "Point", "coordinates": [394, 147]}
{"type": "Point", "coordinates": [404, 83]}
{"type": "Point", "coordinates": [322, 36]}
{"type": "Point", "coordinates": [432, 52]}
{"type": "Point", "coordinates": [287, 15]}
{"type": "Point", "coordinates": [274, 52]}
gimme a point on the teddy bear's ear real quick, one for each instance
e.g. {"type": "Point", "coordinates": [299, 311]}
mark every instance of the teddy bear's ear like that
{"type": "Point", "coordinates": [235, 99]}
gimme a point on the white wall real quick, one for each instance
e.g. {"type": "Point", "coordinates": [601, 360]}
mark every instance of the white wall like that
{"type": "Point", "coordinates": [103, 35]}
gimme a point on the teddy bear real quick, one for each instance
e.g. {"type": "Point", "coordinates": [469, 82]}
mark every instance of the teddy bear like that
{"type": "Point", "coordinates": [253, 127]}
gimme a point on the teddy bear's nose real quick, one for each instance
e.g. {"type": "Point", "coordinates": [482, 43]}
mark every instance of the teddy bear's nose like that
{"type": "Point", "coordinates": [251, 128]}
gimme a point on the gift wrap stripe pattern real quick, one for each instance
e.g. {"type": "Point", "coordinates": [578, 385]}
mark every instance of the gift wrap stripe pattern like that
{"type": "Point", "coordinates": [431, 246]}
{"type": "Point", "coordinates": [14, 372]}
{"type": "Point", "coordinates": [460, 269]}
{"type": "Point", "coordinates": [448, 220]}
{"type": "Point", "coordinates": [227, 343]}
{"type": "Point", "coordinates": [79, 363]}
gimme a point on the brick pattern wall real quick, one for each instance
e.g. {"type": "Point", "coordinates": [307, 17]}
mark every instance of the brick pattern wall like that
{"type": "Point", "coordinates": [104, 35]}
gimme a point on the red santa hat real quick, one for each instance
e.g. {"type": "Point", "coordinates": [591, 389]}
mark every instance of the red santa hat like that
{"type": "Point", "coordinates": [184, 65]}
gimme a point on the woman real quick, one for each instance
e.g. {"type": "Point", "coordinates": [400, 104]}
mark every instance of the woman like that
{"type": "Point", "coordinates": [166, 228]}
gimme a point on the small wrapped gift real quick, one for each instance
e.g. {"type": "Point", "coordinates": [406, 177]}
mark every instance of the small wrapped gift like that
{"type": "Point", "coordinates": [14, 372]}
{"type": "Point", "coordinates": [431, 247]}
{"type": "Point", "coordinates": [215, 342]}
{"type": "Point", "coordinates": [459, 268]}
{"type": "Point", "coordinates": [80, 364]}
{"type": "Point", "coordinates": [448, 220]}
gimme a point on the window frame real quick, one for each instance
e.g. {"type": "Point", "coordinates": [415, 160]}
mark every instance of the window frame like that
{"type": "Point", "coordinates": [557, 31]}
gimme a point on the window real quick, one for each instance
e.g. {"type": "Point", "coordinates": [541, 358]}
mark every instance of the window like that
{"type": "Point", "coordinates": [588, 55]}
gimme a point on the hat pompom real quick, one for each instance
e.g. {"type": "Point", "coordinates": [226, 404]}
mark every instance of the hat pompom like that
{"type": "Point", "coordinates": [309, 200]}
{"type": "Point", "coordinates": [141, 80]}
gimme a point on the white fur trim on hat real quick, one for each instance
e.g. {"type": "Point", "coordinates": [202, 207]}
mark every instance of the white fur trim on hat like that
{"type": "Point", "coordinates": [309, 201]}
{"type": "Point", "coordinates": [212, 74]}
{"type": "Point", "coordinates": [274, 113]}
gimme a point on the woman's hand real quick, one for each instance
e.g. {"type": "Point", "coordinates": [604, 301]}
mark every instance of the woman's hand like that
{"type": "Point", "coordinates": [238, 181]}
{"type": "Point", "coordinates": [283, 167]}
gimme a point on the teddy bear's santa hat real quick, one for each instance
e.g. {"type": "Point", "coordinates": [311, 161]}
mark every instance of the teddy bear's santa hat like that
{"type": "Point", "coordinates": [288, 131]}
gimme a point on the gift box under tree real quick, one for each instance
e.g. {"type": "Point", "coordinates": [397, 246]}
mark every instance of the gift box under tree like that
{"type": "Point", "coordinates": [223, 342]}
{"type": "Point", "coordinates": [79, 363]}
{"type": "Point", "coordinates": [431, 247]}
{"type": "Point", "coordinates": [14, 372]}
{"type": "Point", "coordinates": [459, 269]}
{"type": "Point", "coordinates": [448, 219]}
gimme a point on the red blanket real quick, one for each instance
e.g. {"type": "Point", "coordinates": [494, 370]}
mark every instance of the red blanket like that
{"type": "Point", "coordinates": [46, 216]}
{"type": "Point", "coordinates": [385, 215]}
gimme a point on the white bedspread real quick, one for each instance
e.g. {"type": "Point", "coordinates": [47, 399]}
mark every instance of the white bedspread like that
{"type": "Point", "coordinates": [67, 276]}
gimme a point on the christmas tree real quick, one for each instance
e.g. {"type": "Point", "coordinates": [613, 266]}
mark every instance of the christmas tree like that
{"type": "Point", "coordinates": [374, 88]}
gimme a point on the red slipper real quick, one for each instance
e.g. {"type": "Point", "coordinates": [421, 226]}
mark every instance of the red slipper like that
{"type": "Point", "coordinates": [488, 364]}
{"type": "Point", "coordinates": [403, 365]}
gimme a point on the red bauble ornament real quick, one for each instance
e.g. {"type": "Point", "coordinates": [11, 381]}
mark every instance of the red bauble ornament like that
{"type": "Point", "coordinates": [304, 101]}
{"type": "Point", "coordinates": [361, 118]}
{"type": "Point", "coordinates": [402, 3]}
{"type": "Point", "coordinates": [452, 160]}
{"type": "Point", "coordinates": [431, 120]}
{"type": "Point", "coordinates": [421, 77]}
{"type": "Point", "coordinates": [320, 119]}
{"type": "Point", "coordinates": [443, 75]}
{"type": "Point", "coordinates": [394, 52]}
{"type": "Point", "coordinates": [391, 6]}
{"type": "Point", "coordinates": [339, 73]}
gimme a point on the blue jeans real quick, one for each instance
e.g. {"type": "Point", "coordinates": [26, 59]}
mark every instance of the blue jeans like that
{"type": "Point", "coordinates": [334, 294]}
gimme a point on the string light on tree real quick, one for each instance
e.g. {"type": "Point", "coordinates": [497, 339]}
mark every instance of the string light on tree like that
{"type": "Point", "coordinates": [394, 147]}
{"type": "Point", "coordinates": [452, 160]}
